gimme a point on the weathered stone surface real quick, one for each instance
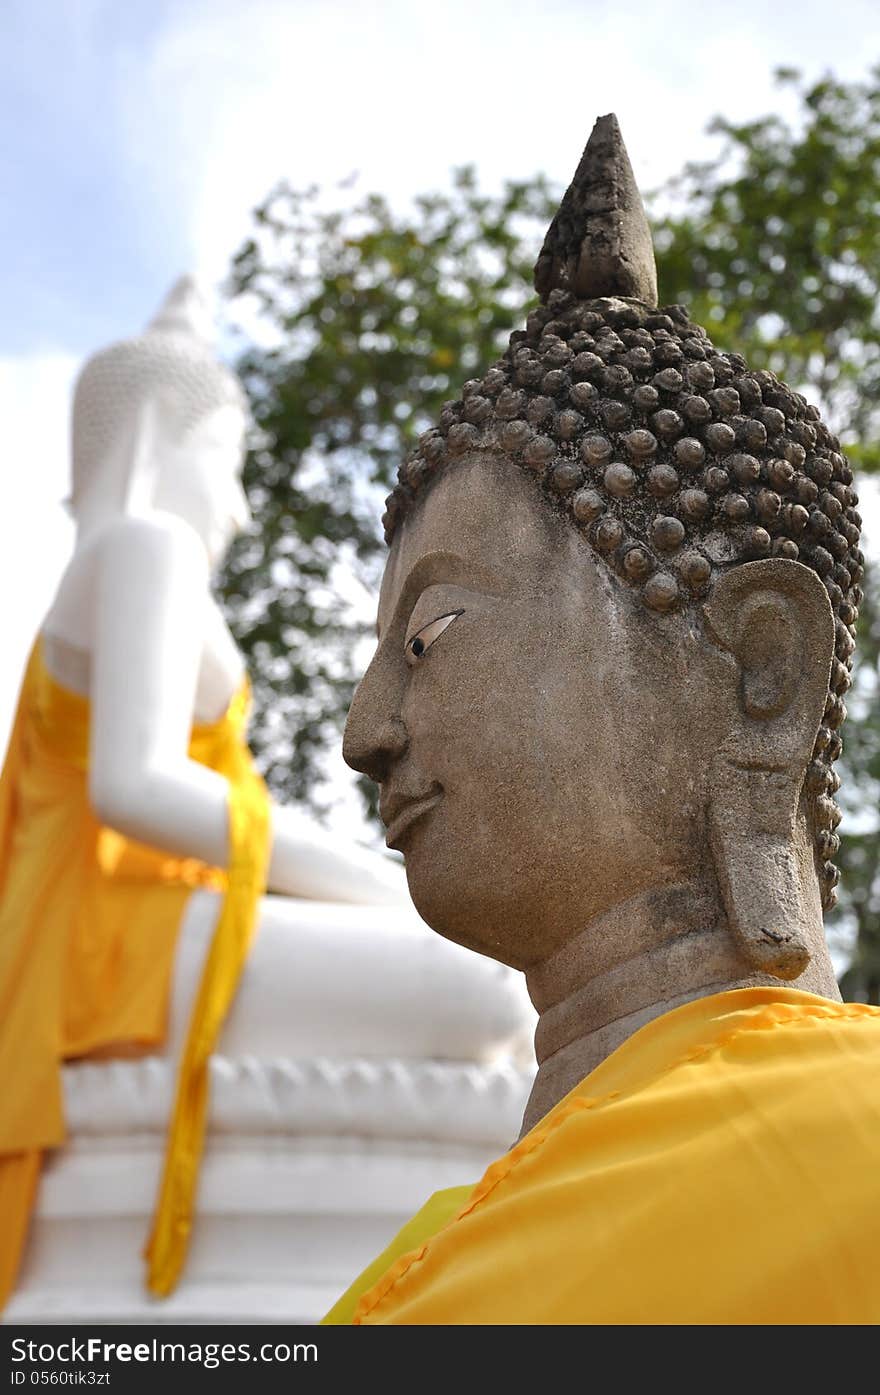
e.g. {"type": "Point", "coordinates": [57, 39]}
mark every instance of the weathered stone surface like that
{"type": "Point", "coordinates": [614, 727]}
{"type": "Point", "coordinates": [599, 243]}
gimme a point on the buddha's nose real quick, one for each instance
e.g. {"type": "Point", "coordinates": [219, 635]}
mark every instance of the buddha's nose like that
{"type": "Point", "coordinates": [374, 737]}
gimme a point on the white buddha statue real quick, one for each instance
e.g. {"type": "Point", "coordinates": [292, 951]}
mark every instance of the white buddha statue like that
{"type": "Point", "coordinates": [137, 684]}
{"type": "Point", "coordinates": [158, 444]}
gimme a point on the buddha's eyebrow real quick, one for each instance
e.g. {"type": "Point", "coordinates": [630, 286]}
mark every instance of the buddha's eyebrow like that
{"type": "Point", "coordinates": [435, 568]}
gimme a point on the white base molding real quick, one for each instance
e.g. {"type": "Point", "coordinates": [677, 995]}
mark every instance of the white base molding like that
{"type": "Point", "coordinates": [310, 1170]}
{"type": "Point", "coordinates": [366, 1064]}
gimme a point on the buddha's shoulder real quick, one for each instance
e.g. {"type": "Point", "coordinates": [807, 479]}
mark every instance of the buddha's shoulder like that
{"type": "Point", "coordinates": [785, 1088]}
{"type": "Point", "coordinates": [787, 1074]}
{"type": "Point", "coordinates": [674, 1180]}
{"type": "Point", "coordinates": [746, 1039]}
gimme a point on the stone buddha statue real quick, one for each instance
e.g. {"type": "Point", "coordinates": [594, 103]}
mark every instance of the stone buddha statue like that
{"type": "Point", "coordinates": [137, 839]}
{"type": "Point", "coordinates": [616, 630]}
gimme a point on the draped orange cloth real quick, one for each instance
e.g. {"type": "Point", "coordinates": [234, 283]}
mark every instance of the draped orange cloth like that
{"type": "Point", "coordinates": [88, 929]}
{"type": "Point", "coordinates": [721, 1167]}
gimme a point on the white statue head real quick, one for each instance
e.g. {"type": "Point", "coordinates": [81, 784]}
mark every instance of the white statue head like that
{"type": "Point", "coordinates": [159, 423]}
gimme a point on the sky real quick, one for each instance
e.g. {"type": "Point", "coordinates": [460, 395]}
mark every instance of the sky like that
{"type": "Point", "coordinates": [138, 137]}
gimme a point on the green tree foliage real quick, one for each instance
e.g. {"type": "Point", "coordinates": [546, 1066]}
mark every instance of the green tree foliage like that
{"type": "Point", "coordinates": [775, 246]}
{"type": "Point", "coordinates": [376, 319]}
{"type": "Point", "coordinates": [373, 318]}
{"type": "Point", "coordinates": [857, 920]}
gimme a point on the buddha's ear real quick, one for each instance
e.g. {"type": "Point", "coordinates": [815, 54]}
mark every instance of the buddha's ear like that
{"type": "Point", "coordinates": [774, 617]}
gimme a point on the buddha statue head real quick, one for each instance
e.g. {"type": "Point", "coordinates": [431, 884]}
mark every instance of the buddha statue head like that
{"type": "Point", "coordinates": [159, 422]}
{"type": "Point", "coordinates": [615, 634]}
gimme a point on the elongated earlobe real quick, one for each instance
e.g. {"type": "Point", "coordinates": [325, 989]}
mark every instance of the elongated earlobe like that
{"type": "Point", "coordinates": [774, 617]}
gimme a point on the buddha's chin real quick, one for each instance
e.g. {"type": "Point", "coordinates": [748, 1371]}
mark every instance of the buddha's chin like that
{"type": "Point", "coordinates": [459, 901]}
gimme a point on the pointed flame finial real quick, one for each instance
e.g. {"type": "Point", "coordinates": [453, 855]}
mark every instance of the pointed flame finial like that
{"type": "Point", "coordinates": [185, 310]}
{"type": "Point", "coordinates": [599, 243]}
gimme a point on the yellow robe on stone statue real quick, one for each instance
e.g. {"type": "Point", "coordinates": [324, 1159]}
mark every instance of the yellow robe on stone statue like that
{"type": "Point", "coordinates": [88, 928]}
{"type": "Point", "coordinates": [721, 1167]}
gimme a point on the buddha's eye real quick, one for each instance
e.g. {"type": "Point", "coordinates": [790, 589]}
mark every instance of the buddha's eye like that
{"type": "Point", "coordinates": [424, 638]}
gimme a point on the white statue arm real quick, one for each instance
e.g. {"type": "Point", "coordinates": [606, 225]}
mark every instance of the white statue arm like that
{"type": "Point", "coordinates": [151, 596]}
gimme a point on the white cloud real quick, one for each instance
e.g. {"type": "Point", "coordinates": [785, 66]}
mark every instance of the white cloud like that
{"type": "Point", "coordinates": [233, 97]}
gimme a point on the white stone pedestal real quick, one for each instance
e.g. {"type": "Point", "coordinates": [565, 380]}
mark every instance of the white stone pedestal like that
{"type": "Point", "coordinates": [314, 1158]}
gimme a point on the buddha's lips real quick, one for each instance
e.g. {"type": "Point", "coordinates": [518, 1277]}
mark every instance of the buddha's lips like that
{"type": "Point", "coordinates": [402, 813]}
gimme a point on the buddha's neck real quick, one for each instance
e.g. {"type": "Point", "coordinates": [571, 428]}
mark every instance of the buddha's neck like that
{"type": "Point", "coordinates": [643, 957]}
